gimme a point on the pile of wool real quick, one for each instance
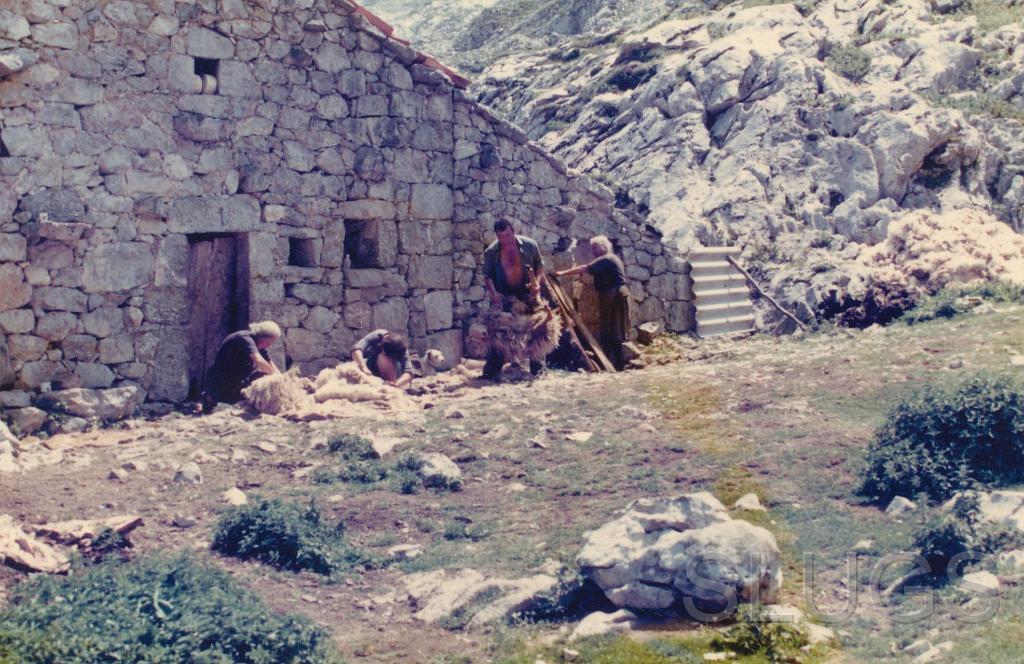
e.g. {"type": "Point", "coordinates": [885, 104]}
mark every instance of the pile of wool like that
{"type": "Point", "coordinates": [524, 333]}
{"type": "Point", "coordinates": [346, 382]}
{"type": "Point", "coordinates": [925, 251]}
{"type": "Point", "coordinates": [278, 393]}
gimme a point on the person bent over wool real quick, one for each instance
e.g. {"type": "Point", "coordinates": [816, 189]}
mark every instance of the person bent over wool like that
{"type": "Point", "coordinates": [612, 296]}
{"type": "Point", "coordinates": [520, 324]}
{"type": "Point", "coordinates": [241, 358]}
{"type": "Point", "coordinates": [385, 355]}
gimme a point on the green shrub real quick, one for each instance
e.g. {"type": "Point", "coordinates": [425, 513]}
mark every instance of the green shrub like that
{"type": "Point", "coordinates": [285, 535]}
{"type": "Point", "coordinates": [155, 610]}
{"type": "Point", "coordinates": [848, 61]}
{"type": "Point", "coordinates": [351, 446]}
{"type": "Point", "coordinates": [952, 302]}
{"type": "Point", "coordinates": [978, 103]}
{"type": "Point", "coordinates": [957, 532]}
{"type": "Point", "coordinates": [359, 461]}
{"type": "Point", "coordinates": [775, 642]}
{"type": "Point", "coordinates": [943, 439]}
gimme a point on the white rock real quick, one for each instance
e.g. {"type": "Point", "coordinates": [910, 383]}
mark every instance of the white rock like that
{"type": "Point", "coordinates": [749, 501]}
{"type": "Point", "coordinates": [438, 470]}
{"type": "Point", "coordinates": [189, 474]}
{"type": "Point", "coordinates": [235, 496]}
{"type": "Point", "coordinates": [981, 583]}
{"type": "Point", "coordinates": [19, 549]}
{"type": "Point", "coordinates": [405, 551]}
{"type": "Point", "coordinates": [782, 613]}
{"type": "Point", "coordinates": [647, 558]}
{"type": "Point", "coordinates": [864, 546]}
{"type": "Point", "coordinates": [598, 623]}
{"type": "Point", "coordinates": [918, 647]}
{"type": "Point", "coordinates": [899, 506]}
{"type": "Point", "coordinates": [1013, 560]}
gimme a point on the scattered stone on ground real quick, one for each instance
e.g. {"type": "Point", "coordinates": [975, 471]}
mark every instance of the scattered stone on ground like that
{"type": "Point", "coordinates": [23, 551]}
{"type": "Point", "coordinates": [599, 622]}
{"type": "Point", "coordinates": [438, 470]}
{"type": "Point", "coordinates": [899, 506]}
{"type": "Point", "coordinates": [78, 530]}
{"type": "Point", "coordinates": [189, 474]}
{"type": "Point", "coordinates": [481, 600]}
{"type": "Point", "coordinates": [750, 502]}
{"type": "Point", "coordinates": [235, 496]}
{"type": "Point", "coordinates": [981, 583]}
{"type": "Point", "coordinates": [645, 559]}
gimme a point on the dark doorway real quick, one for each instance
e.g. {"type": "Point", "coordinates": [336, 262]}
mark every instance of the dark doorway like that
{"type": "Point", "coordinates": [218, 289]}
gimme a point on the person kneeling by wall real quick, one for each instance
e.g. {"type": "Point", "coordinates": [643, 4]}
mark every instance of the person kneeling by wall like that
{"type": "Point", "coordinates": [241, 358]}
{"type": "Point", "coordinates": [385, 355]}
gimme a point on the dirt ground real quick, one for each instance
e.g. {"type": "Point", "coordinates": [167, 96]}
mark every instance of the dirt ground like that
{"type": "Point", "coordinates": [786, 418]}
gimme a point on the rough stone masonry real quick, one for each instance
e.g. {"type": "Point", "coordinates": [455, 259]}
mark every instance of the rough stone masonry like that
{"type": "Point", "coordinates": [356, 180]}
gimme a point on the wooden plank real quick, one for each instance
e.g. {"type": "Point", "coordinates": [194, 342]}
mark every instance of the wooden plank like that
{"type": "Point", "coordinates": [765, 295]}
{"type": "Point", "coordinates": [588, 336]}
{"type": "Point", "coordinates": [570, 327]}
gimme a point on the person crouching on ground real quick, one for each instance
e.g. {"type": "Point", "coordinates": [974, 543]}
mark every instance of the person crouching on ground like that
{"type": "Point", "coordinates": [613, 296]}
{"type": "Point", "coordinates": [385, 355]}
{"type": "Point", "coordinates": [513, 271]}
{"type": "Point", "coordinates": [241, 358]}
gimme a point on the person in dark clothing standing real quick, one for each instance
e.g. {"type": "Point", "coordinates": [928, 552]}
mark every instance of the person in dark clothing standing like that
{"type": "Point", "coordinates": [241, 358]}
{"type": "Point", "coordinates": [385, 355]}
{"type": "Point", "coordinates": [513, 272]}
{"type": "Point", "coordinates": [613, 297]}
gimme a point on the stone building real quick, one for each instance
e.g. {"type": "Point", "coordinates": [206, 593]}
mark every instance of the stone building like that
{"type": "Point", "coordinates": [170, 170]}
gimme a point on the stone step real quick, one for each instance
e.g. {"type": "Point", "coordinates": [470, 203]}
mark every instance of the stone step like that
{"type": "Point", "coordinates": [708, 268]}
{"type": "Point", "coordinates": [723, 309]}
{"type": "Point", "coordinates": [705, 296]}
{"type": "Point", "coordinates": [712, 253]}
{"type": "Point", "coordinates": [716, 326]}
{"type": "Point", "coordinates": [711, 282]}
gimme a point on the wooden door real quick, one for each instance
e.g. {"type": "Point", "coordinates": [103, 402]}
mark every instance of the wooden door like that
{"type": "Point", "coordinates": [218, 302]}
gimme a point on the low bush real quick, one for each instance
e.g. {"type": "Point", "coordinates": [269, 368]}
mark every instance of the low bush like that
{"type": "Point", "coordinates": [943, 439]}
{"type": "Point", "coordinates": [958, 535]}
{"type": "Point", "coordinates": [848, 61]}
{"type": "Point", "coordinates": [775, 642]}
{"type": "Point", "coordinates": [952, 302]}
{"type": "Point", "coordinates": [158, 610]}
{"type": "Point", "coordinates": [287, 536]}
{"type": "Point", "coordinates": [359, 461]}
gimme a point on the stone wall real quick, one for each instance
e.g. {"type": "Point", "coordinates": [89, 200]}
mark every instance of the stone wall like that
{"type": "Point", "coordinates": [116, 155]}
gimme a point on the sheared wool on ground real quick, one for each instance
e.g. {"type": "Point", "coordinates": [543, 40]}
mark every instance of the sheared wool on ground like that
{"type": "Point", "coordinates": [926, 252]}
{"type": "Point", "coordinates": [522, 334]}
{"type": "Point", "coordinates": [278, 393]}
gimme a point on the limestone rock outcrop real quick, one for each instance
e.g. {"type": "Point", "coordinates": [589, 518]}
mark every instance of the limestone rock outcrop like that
{"type": "Point", "coordinates": [682, 553]}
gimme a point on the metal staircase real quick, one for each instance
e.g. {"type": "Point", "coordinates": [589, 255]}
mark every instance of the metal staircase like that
{"type": "Point", "coordinates": [721, 295]}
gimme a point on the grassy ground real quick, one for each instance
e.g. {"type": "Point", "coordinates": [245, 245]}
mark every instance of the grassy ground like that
{"type": "Point", "coordinates": [788, 419]}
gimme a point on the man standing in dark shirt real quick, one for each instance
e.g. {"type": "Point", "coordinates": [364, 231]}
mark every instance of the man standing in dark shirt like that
{"type": "Point", "coordinates": [241, 358]}
{"type": "Point", "coordinates": [385, 355]}
{"type": "Point", "coordinates": [513, 270]}
{"type": "Point", "coordinates": [612, 296]}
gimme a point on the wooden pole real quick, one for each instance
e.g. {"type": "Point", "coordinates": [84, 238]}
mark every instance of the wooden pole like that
{"type": "Point", "coordinates": [765, 295]}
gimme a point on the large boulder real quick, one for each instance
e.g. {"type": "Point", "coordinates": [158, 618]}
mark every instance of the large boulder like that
{"type": "Point", "coordinates": [685, 553]}
{"type": "Point", "coordinates": [115, 403]}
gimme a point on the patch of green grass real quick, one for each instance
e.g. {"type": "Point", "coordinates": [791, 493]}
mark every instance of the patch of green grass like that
{"type": "Point", "coordinates": [736, 482]}
{"type": "Point", "coordinates": [287, 536]}
{"type": "Point", "coordinates": [953, 302]}
{"type": "Point", "coordinates": [676, 649]}
{"type": "Point", "coordinates": [979, 103]}
{"type": "Point", "coordinates": [689, 408]}
{"type": "Point", "coordinates": [849, 61]}
{"type": "Point", "coordinates": [159, 610]}
{"type": "Point", "coordinates": [993, 14]}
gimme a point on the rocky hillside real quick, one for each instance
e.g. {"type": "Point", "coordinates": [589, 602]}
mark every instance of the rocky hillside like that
{"type": "Point", "coordinates": [797, 130]}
